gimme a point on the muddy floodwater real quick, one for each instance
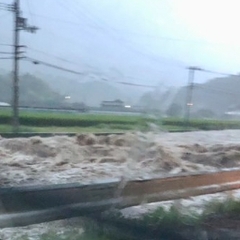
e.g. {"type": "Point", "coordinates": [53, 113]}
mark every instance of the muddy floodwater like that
{"type": "Point", "coordinates": [86, 158]}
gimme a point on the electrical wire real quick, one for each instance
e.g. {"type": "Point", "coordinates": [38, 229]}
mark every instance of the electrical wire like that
{"type": "Point", "coordinates": [54, 56]}
{"type": "Point", "coordinates": [215, 89]}
{"type": "Point", "coordinates": [106, 30]}
{"type": "Point", "coordinates": [219, 73]}
{"type": "Point", "coordinates": [35, 61]}
{"type": "Point", "coordinates": [5, 58]}
{"type": "Point", "coordinates": [86, 13]}
{"type": "Point", "coordinates": [163, 38]}
{"type": "Point", "coordinates": [136, 85]}
{"type": "Point", "coordinates": [79, 16]}
{"type": "Point", "coordinates": [119, 82]}
{"type": "Point", "coordinates": [3, 4]}
{"type": "Point", "coordinates": [63, 21]}
{"type": "Point", "coordinates": [7, 45]}
{"type": "Point", "coordinates": [6, 53]}
{"type": "Point", "coordinates": [29, 10]}
{"type": "Point", "coordinates": [67, 39]}
{"type": "Point", "coordinates": [122, 41]}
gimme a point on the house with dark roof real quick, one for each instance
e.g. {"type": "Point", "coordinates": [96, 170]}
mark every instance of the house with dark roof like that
{"type": "Point", "coordinates": [116, 104]}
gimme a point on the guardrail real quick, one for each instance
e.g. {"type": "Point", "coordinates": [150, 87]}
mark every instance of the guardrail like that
{"type": "Point", "coordinates": [35, 204]}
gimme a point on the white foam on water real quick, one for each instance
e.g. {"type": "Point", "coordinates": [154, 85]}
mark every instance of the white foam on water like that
{"type": "Point", "coordinates": [89, 158]}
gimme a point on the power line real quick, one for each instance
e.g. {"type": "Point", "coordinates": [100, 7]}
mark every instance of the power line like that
{"type": "Point", "coordinates": [35, 61]}
{"type": "Point", "coordinates": [7, 45]}
{"type": "Point", "coordinates": [3, 7]}
{"type": "Point", "coordinates": [61, 37]}
{"type": "Point", "coordinates": [104, 79]}
{"type": "Point", "coordinates": [129, 45]}
{"type": "Point", "coordinates": [216, 72]}
{"type": "Point", "coordinates": [2, 58]}
{"type": "Point", "coordinates": [66, 7]}
{"type": "Point", "coordinates": [61, 20]}
{"type": "Point", "coordinates": [164, 38]}
{"type": "Point", "coordinates": [53, 56]}
{"type": "Point", "coordinates": [138, 34]}
{"type": "Point", "coordinates": [118, 82]}
{"type": "Point", "coordinates": [138, 52]}
{"type": "Point", "coordinates": [213, 89]}
{"type": "Point", "coordinates": [29, 10]}
{"type": "Point", "coordinates": [219, 73]}
{"type": "Point", "coordinates": [136, 85]}
{"type": "Point", "coordinates": [122, 41]}
{"type": "Point", "coordinates": [68, 61]}
{"type": "Point", "coordinates": [73, 71]}
{"type": "Point", "coordinates": [86, 13]}
{"type": "Point", "coordinates": [6, 53]}
{"type": "Point", "coordinates": [82, 13]}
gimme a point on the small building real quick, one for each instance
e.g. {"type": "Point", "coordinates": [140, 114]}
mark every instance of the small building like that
{"type": "Point", "coordinates": [117, 104]}
{"type": "Point", "coordinates": [232, 114]}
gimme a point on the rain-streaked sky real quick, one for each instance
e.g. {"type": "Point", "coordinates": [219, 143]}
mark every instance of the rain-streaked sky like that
{"type": "Point", "coordinates": [141, 41]}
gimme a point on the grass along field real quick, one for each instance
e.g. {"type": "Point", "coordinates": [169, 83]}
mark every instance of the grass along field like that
{"type": "Point", "coordinates": [68, 122]}
{"type": "Point", "coordinates": [77, 122]}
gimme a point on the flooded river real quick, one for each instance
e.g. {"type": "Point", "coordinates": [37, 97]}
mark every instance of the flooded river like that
{"type": "Point", "coordinates": [86, 158]}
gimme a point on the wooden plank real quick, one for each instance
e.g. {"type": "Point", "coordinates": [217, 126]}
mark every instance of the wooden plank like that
{"type": "Point", "coordinates": [178, 194]}
{"type": "Point", "coordinates": [174, 183]}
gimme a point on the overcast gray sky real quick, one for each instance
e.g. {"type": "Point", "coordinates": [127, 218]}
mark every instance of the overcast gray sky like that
{"type": "Point", "coordinates": [149, 40]}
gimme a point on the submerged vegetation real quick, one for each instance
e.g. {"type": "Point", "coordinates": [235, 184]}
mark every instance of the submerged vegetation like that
{"type": "Point", "coordinates": [163, 224]}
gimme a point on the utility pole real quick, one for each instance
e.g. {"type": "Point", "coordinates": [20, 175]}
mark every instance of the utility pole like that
{"type": "Point", "coordinates": [20, 23]}
{"type": "Point", "coordinates": [15, 100]}
{"type": "Point", "coordinates": [189, 93]}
